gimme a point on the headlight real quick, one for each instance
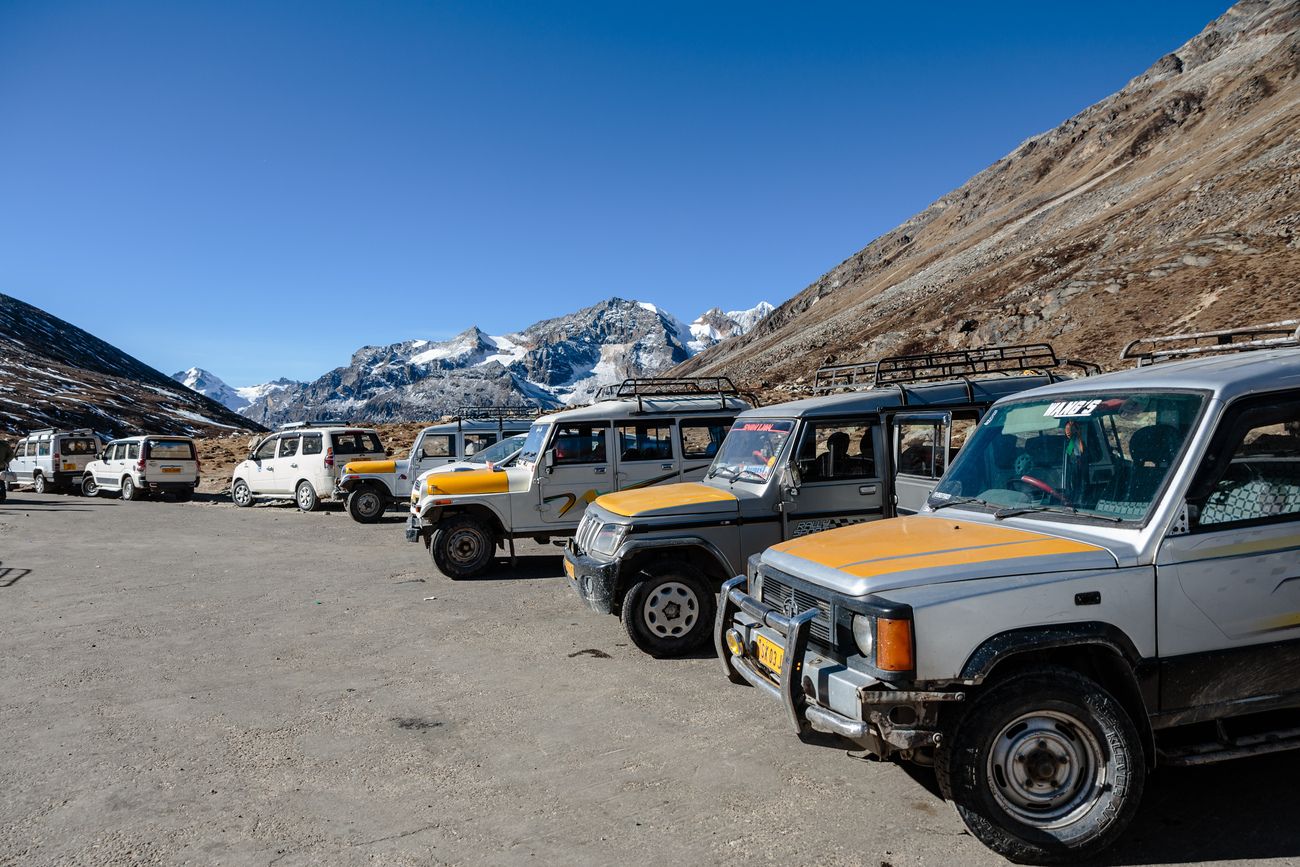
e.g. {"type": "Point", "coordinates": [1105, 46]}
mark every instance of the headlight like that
{"type": "Point", "coordinates": [608, 538]}
{"type": "Point", "coordinates": [862, 634]}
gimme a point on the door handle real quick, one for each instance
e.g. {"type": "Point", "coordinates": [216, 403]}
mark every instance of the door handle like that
{"type": "Point", "coordinates": [600, 471]}
{"type": "Point", "coordinates": [867, 490]}
{"type": "Point", "coordinates": [295, 466]}
{"type": "Point", "coordinates": [667, 466]}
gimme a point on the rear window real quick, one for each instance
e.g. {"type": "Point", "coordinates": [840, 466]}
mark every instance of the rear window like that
{"type": "Point", "coordinates": [356, 443]}
{"type": "Point", "coordinates": [80, 446]}
{"type": "Point", "coordinates": [171, 450]}
{"type": "Point", "coordinates": [311, 444]}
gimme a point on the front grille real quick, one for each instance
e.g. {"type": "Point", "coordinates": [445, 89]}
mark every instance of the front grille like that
{"type": "Point", "coordinates": [791, 601]}
{"type": "Point", "coordinates": [586, 532]}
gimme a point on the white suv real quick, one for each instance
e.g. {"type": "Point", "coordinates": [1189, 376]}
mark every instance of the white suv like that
{"type": "Point", "coordinates": [136, 467]}
{"type": "Point", "coordinates": [53, 460]}
{"type": "Point", "coordinates": [302, 461]}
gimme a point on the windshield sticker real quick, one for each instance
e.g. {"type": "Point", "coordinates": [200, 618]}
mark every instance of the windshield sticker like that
{"type": "Point", "coordinates": [764, 426]}
{"type": "Point", "coordinates": [1071, 408]}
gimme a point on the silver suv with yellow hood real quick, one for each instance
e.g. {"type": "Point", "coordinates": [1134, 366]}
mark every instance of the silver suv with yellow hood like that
{"type": "Point", "coordinates": [642, 432]}
{"type": "Point", "coordinates": [871, 444]}
{"type": "Point", "coordinates": [1045, 637]}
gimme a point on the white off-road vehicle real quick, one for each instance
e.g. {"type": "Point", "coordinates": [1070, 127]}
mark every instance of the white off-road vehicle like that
{"type": "Point", "coordinates": [370, 487]}
{"type": "Point", "coordinates": [871, 444]}
{"type": "Point", "coordinates": [142, 466]}
{"type": "Point", "coordinates": [642, 432]}
{"type": "Point", "coordinates": [53, 460]}
{"type": "Point", "coordinates": [1046, 636]}
{"type": "Point", "coordinates": [301, 462]}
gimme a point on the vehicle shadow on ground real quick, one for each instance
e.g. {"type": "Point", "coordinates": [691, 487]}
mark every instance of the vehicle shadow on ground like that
{"type": "Point", "coordinates": [528, 567]}
{"type": "Point", "coordinates": [11, 575]}
{"type": "Point", "coordinates": [1237, 810]}
{"type": "Point", "coordinates": [23, 504]}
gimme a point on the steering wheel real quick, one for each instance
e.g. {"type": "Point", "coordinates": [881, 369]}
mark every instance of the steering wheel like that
{"type": "Point", "coordinates": [1042, 486]}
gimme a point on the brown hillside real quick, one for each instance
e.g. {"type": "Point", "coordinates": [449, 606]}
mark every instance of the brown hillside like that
{"type": "Point", "coordinates": [1170, 205]}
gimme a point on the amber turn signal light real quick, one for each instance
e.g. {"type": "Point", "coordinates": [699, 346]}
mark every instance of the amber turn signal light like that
{"type": "Point", "coordinates": [894, 645]}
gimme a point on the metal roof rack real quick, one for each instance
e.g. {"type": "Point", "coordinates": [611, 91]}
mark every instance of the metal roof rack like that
{"type": "Point", "coordinates": [496, 413]}
{"type": "Point", "coordinates": [1270, 335]}
{"type": "Point", "coordinates": [956, 364]}
{"type": "Point", "coordinates": [294, 425]}
{"type": "Point", "coordinates": [641, 387]}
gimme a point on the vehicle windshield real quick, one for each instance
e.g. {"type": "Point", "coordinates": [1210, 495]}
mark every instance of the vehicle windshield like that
{"type": "Point", "coordinates": [498, 452]}
{"type": "Point", "coordinates": [534, 443]}
{"type": "Point", "coordinates": [1101, 455]}
{"type": "Point", "coordinates": [750, 451]}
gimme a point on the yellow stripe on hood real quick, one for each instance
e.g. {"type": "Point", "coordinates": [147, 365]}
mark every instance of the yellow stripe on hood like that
{"type": "Point", "coordinates": [922, 542]}
{"type": "Point", "coordinates": [375, 467]}
{"type": "Point", "coordinates": [639, 501]}
{"type": "Point", "coordinates": [469, 482]}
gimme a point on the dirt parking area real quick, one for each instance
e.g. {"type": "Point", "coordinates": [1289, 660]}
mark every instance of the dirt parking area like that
{"type": "Point", "coordinates": [200, 684]}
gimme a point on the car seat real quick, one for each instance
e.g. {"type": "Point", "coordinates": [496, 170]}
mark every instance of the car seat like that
{"type": "Point", "coordinates": [1152, 450]}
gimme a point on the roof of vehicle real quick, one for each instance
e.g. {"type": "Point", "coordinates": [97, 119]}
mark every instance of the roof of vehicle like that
{"type": "Point", "coordinates": [53, 432]}
{"type": "Point", "coordinates": [510, 424]}
{"type": "Point", "coordinates": [343, 428]}
{"type": "Point", "coordinates": [1226, 376]}
{"type": "Point", "coordinates": [649, 407]}
{"type": "Point", "coordinates": [150, 437]}
{"type": "Point", "coordinates": [984, 389]}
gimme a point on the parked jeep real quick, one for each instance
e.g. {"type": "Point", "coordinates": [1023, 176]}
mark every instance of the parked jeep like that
{"type": "Point", "coordinates": [368, 488]}
{"type": "Point", "coordinates": [1046, 635]}
{"type": "Point", "coordinates": [639, 433]}
{"type": "Point", "coordinates": [871, 445]}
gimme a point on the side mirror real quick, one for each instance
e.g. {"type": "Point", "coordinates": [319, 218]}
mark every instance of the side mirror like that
{"type": "Point", "coordinates": [789, 481]}
{"type": "Point", "coordinates": [548, 460]}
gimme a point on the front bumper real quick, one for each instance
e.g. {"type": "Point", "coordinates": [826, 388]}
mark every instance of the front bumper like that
{"type": "Point", "coordinates": [818, 691]}
{"type": "Point", "coordinates": [413, 527]}
{"type": "Point", "coordinates": [591, 579]}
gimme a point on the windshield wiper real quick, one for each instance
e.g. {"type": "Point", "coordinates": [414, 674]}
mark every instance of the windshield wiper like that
{"type": "Point", "coordinates": [959, 501]}
{"type": "Point", "coordinates": [740, 473]}
{"type": "Point", "coordinates": [1012, 511]}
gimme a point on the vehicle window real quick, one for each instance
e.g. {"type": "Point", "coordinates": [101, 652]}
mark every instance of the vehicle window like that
{"type": "Point", "coordinates": [356, 443]}
{"type": "Point", "coordinates": [21, 451]}
{"type": "Point", "coordinates": [533, 443]}
{"type": "Point", "coordinates": [580, 444]}
{"type": "Point", "coordinates": [133, 451]}
{"type": "Point", "coordinates": [836, 450]}
{"type": "Point", "coordinates": [1101, 454]}
{"type": "Point", "coordinates": [42, 448]}
{"type": "Point", "coordinates": [288, 447]}
{"type": "Point", "coordinates": [645, 441]}
{"type": "Point", "coordinates": [1260, 482]}
{"type": "Point", "coordinates": [113, 452]}
{"type": "Point", "coordinates": [701, 439]}
{"type": "Point", "coordinates": [79, 446]}
{"type": "Point", "coordinates": [170, 450]}
{"type": "Point", "coordinates": [311, 444]}
{"type": "Point", "coordinates": [436, 446]}
{"type": "Point", "coordinates": [266, 450]}
{"type": "Point", "coordinates": [476, 442]}
{"type": "Point", "coordinates": [919, 446]}
{"type": "Point", "coordinates": [751, 450]}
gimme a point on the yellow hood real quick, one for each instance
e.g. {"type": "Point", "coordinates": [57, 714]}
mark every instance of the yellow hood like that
{"type": "Point", "coordinates": [371, 467]}
{"type": "Point", "coordinates": [681, 498]}
{"type": "Point", "coordinates": [468, 482]}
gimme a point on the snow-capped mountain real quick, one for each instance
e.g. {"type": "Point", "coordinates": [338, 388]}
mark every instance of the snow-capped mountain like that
{"type": "Point", "coordinates": [211, 385]}
{"type": "Point", "coordinates": [554, 362]}
{"type": "Point", "coordinates": [251, 393]}
{"type": "Point", "coordinates": [53, 373]}
{"type": "Point", "coordinates": [715, 326]}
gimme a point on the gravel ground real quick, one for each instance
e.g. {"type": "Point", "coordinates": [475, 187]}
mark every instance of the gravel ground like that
{"type": "Point", "coordinates": [201, 684]}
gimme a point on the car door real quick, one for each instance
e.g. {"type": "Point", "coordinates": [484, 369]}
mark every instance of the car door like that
{"type": "Point", "coordinates": [644, 454]}
{"type": "Point", "coordinates": [19, 465]}
{"type": "Point", "coordinates": [103, 467]}
{"type": "Point", "coordinates": [575, 470]}
{"type": "Point", "coordinates": [839, 478]}
{"type": "Point", "coordinates": [924, 444]}
{"type": "Point", "coordinates": [1228, 587]}
{"type": "Point", "coordinates": [262, 478]}
{"type": "Point", "coordinates": [432, 450]}
{"type": "Point", "coordinates": [287, 471]}
{"type": "Point", "coordinates": [116, 467]}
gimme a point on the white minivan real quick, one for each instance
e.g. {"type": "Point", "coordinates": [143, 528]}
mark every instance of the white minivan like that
{"type": "Point", "coordinates": [140, 466]}
{"type": "Point", "coordinates": [302, 462]}
{"type": "Point", "coordinates": [53, 460]}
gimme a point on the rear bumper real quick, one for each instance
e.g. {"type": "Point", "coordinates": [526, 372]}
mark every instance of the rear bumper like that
{"type": "Point", "coordinates": [592, 580]}
{"type": "Point", "coordinates": [169, 487]}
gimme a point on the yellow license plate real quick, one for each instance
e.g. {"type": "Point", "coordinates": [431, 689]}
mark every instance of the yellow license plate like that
{"type": "Point", "coordinates": [568, 568]}
{"type": "Point", "coordinates": [171, 469]}
{"type": "Point", "coordinates": [69, 466]}
{"type": "Point", "coordinates": [770, 654]}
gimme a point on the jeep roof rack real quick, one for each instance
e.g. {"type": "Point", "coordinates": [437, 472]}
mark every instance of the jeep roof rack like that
{"type": "Point", "coordinates": [294, 425]}
{"type": "Point", "coordinates": [465, 412]}
{"type": "Point", "coordinates": [639, 388]}
{"type": "Point", "coordinates": [955, 364]}
{"type": "Point", "coordinates": [1270, 335]}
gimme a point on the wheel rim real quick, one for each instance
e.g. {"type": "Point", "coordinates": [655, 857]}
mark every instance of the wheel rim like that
{"type": "Point", "coordinates": [241, 494]}
{"type": "Point", "coordinates": [128, 489]}
{"type": "Point", "coordinates": [368, 503]}
{"type": "Point", "coordinates": [304, 497]}
{"type": "Point", "coordinates": [1046, 768]}
{"type": "Point", "coordinates": [90, 488]}
{"type": "Point", "coordinates": [39, 485]}
{"type": "Point", "coordinates": [671, 610]}
{"type": "Point", "coordinates": [465, 546]}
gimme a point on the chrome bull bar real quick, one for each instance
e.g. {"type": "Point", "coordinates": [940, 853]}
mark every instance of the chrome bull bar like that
{"type": "Point", "coordinates": [793, 629]}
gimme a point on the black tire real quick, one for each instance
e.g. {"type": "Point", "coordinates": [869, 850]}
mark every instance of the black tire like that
{"type": "Point", "coordinates": [4, 491]}
{"type": "Point", "coordinates": [670, 612]}
{"type": "Point", "coordinates": [129, 490]}
{"type": "Point", "coordinates": [367, 504]}
{"type": "Point", "coordinates": [1045, 767]}
{"type": "Point", "coordinates": [305, 496]}
{"type": "Point", "coordinates": [39, 485]}
{"type": "Point", "coordinates": [462, 547]}
{"type": "Point", "coordinates": [89, 488]}
{"type": "Point", "coordinates": [241, 494]}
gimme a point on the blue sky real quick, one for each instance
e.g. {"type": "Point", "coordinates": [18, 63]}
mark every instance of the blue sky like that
{"type": "Point", "coordinates": [260, 188]}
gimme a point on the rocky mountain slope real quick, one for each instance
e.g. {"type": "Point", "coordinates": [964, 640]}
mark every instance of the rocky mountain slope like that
{"type": "Point", "coordinates": [1169, 206]}
{"type": "Point", "coordinates": [53, 373]}
{"type": "Point", "coordinates": [549, 364]}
